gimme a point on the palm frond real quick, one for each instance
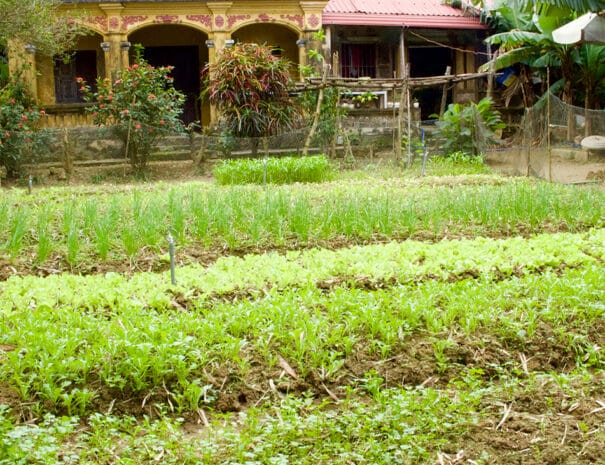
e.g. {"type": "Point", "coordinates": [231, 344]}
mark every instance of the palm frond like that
{"type": "Point", "coordinates": [515, 38]}
{"type": "Point", "coordinates": [548, 59]}
{"type": "Point", "coordinates": [517, 55]}
{"type": "Point", "coordinates": [581, 6]}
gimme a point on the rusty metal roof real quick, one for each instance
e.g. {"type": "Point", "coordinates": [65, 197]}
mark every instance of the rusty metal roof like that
{"type": "Point", "coordinates": [412, 13]}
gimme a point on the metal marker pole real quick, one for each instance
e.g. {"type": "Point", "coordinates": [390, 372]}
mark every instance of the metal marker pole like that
{"type": "Point", "coordinates": [30, 184]}
{"type": "Point", "coordinates": [426, 153]}
{"type": "Point", "coordinates": [171, 252]}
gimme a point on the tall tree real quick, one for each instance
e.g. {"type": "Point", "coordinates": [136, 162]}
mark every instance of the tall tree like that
{"type": "Point", "coordinates": [36, 22]}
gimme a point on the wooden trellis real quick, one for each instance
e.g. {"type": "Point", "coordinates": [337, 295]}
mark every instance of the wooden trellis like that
{"type": "Point", "coordinates": [404, 85]}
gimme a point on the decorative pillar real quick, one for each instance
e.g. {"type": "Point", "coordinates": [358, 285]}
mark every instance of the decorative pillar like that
{"type": "Point", "coordinates": [113, 56]}
{"type": "Point", "coordinates": [211, 44]}
{"type": "Point", "coordinates": [221, 34]}
{"type": "Point", "coordinates": [114, 61]}
{"type": "Point", "coordinates": [302, 56]}
{"type": "Point", "coordinates": [312, 11]}
{"type": "Point", "coordinates": [125, 56]}
{"type": "Point", "coordinates": [218, 39]}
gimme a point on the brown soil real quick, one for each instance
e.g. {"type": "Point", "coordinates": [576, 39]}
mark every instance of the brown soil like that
{"type": "Point", "coordinates": [560, 169]}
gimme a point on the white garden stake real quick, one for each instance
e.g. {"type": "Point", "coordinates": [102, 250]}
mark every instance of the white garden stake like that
{"type": "Point", "coordinates": [171, 253]}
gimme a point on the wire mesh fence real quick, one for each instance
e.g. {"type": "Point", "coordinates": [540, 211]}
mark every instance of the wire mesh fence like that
{"type": "Point", "coordinates": [550, 137]}
{"type": "Point", "coordinates": [550, 130]}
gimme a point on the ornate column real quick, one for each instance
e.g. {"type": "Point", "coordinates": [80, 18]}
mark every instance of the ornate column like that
{"type": "Point", "coordinates": [221, 33]}
{"type": "Point", "coordinates": [302, 55]}
{"type": "Point", "coordinates": [115, 59]}
{"type": "Point", "coordinates": [312, 11]}
{"type": "Point", "coordinates": [218, 38]}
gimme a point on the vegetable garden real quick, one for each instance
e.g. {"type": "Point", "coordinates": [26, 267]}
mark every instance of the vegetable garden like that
{"type": "Point", "coordinates": [368, 318]}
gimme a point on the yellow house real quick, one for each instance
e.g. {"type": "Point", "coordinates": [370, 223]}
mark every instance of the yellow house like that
{"type": "Point", "coordinates": [185, 34]}
{"type": "Point", "coordinates": [369, 39]}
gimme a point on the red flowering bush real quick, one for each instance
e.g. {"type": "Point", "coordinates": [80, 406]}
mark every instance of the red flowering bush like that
{"type": "Point", "coordinates": [141, 106]}
{"type": "Point", "coordinates": [20, 135]}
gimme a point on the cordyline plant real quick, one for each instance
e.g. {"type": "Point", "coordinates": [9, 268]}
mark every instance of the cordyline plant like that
{"type": "Point", "coordinates": [249, 86]}
{"type": "Point", "coordinates": [141, 106]}
{"type": "Point", "coordinates": [20, 135]}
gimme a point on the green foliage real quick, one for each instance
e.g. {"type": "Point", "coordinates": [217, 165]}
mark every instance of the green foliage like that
{"type": "Point", "coordinates": [249, 86]}
{"type": "Point", "coordinates": [20, 135]}
{"type": "Point", "coordinates": [112, 333]}
{"type": "Point", "coordinates": [38, 23]}
{"type": "Point", "coordinates": [284, 170]}
{"type": "Point", "coordinates": [140, 106]}
{"type": "Point", "coordinates": [34, 444]}
{"type": "Point", "coordinates": [468, 127]}
{"type": "Point", "coordinates": [330, 110]}
{"type": "Point", "coordinates": [113, 226]}
{"type": "Point", "coordinates": [402, 348]}
{"type": "Point", "coordinates": [524, 35]}
{"type": "Point", "coordinates": [366, 97]}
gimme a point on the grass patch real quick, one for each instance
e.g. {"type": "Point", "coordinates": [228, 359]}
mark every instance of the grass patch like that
{"type": "Point", "coordinates": [284, 170]}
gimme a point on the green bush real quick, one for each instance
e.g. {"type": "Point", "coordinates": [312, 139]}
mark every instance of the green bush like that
{"type": "Point", "coordinates": [279, 170]}
{"type": "Point", "coordinates": [250, 88]}
{"type": "Point", "coordinates": [469, 127]}
{"type": "Point", "coordinates": [20, 134]}
{"type": "Point", "coordinates": [141, 106]}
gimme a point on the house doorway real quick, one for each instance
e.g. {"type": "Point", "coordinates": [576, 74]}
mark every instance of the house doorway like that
{"type": "Point", "coordinates": [185, 73]}
{"type": "Point", "coordinates": [430, 61]}
{"type": "Point", "coordinates": [184, 48]}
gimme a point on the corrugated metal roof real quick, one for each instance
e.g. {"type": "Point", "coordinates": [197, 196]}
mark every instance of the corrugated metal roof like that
{"type": "Point", "coordinates": [414, 13]}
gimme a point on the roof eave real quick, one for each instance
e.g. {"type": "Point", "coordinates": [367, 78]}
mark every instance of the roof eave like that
{"type": "Point", "coordinates": [432, 22]}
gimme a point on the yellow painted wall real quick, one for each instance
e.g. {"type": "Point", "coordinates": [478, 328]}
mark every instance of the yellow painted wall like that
{"type": "Point", "coordinates": [168, 35]}
{"type": "Point", "coordinates": [275, 36]}
{"type": "Point", "coordinates": [277, 22]}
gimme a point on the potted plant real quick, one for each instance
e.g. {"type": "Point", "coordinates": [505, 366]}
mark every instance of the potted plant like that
{"type": "Point", "coordinates": [365, 100]}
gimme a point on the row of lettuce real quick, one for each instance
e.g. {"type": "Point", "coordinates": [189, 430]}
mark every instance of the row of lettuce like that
{"type": "Point", "coordinates": [70, 344]}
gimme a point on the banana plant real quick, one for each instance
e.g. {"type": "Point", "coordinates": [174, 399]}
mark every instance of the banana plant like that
{"type": "Point", "coordinates": [528, 45]}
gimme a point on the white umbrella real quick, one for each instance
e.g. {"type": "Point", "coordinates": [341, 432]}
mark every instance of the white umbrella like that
{"type": "Point", "coordinates": [587, 28]}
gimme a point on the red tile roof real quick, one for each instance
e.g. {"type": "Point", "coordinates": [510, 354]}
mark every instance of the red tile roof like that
{"type": "Point", "coordinates": [411, 13]}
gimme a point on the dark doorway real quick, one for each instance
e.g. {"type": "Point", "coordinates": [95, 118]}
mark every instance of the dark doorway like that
{"type": "Point", "coordinates": [186, 73]}
{"type": "Point", "coordinates": [429, 61]}
{"type": "Point", "coordinates": [82, 63]}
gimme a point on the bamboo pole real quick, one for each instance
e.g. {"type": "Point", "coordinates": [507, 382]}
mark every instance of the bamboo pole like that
{"type": "Point", "coordinates": [317, 114]}
{"type": "Point", "coordinates": [548, 124]}
{"type": "Point", "coordinates": [448, 71]}
{"type": "Point", "coordinates": [409, 114]}
{"type": "Point", "coordinates": [492, 72]}
{"type": "Point", "coordinates": [402, 59]}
